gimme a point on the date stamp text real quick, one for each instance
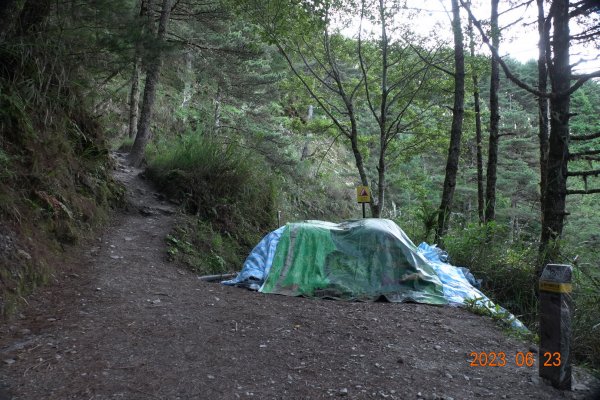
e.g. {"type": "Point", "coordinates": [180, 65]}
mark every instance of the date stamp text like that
{"type": "Point", "coordinates": [520, 359]}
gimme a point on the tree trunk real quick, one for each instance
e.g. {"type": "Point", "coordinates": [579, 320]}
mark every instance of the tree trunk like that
{"type": "Point", "coordinates": [134, 96]}
{"type": "Point", "coordinates": [360, 166]}
{"type": "Point", "coordinates": [558, 151]}
{"type": "Point", "coordinates": [143, 134]}
{"type": "Point", "coordinates": [217, 111]}
{"type": "Point", "coordinates": [479, 155]}
{"type": "Point", "coordinates": [490, 186]}
{"type": "Point", "coordinates": [305, 148]}
{"type": "Point", "coordinates": [188, 83]}
{"type": "Point", "coordinates": [32, 15]}
{"type": "Point", "coordinates": [456, 130]}
{"type": "Point", "coordinates": [8, 10]}
{"type": "Point", "coordinates": [382, 112]}
{"type": "Point", "coordinates": [542, 101]}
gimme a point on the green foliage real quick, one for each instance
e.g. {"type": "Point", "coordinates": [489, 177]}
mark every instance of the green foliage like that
{"type": "Point", "coordinates": [221, 183]}
{"type": "Point", "coordinates": [205, 251]}
{"type": "Point", "coordinates": [505, 267]}
{"type": "Point", "coordinates": [124, 144]}
{"type": "Point", "coordinates": [427, 214]}
{"type": "Point", "coordinates": [487, 308]}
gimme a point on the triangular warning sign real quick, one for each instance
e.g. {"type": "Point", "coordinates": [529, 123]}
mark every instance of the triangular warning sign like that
{"type": "Point", "coordinates": [364, 192]}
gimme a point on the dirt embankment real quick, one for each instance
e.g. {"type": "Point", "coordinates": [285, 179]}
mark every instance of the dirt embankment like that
{"type": "Point", "coordinates": [123, 323]}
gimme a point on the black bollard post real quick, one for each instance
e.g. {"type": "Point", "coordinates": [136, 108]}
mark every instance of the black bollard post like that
{"type": "Point", "coordinates": [555, 325]}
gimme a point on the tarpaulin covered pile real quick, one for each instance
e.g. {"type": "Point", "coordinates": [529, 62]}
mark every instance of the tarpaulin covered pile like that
{"type": "Point", "coordinates": [365, 259]}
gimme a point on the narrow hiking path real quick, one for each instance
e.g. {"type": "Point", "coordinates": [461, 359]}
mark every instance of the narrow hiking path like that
{"type": "Point", "coordinates": [121, 322]}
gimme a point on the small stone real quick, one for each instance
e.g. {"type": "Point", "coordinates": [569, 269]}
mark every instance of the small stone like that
{"type": "Point", "coordinates": [115, 257]}
{"type": "Point", "coordinates": [449, 375]}
{"type": "Point", "coordinates": [535, 380]}
{"type": "Point", "coordinates": [128, 239]}
{"type": "Point", "coordinates": [24, 254]}
{"type": "Point", "coordinates": [437, 347]}
{"type": "Point", "coordinates": [580, 387]}
{"type": "Point", "coordinates": [419, 394]}
{"type": "Point", "coordinates": [51, 319]}
{"type": "Point", "coordinates": [9, 361]}
{"type": "Point", "coordinates": [210, 376]}
{"type": "Point", "coordinates": [344, 392]}
{"type": "Point", "coordinates": [98, 289]}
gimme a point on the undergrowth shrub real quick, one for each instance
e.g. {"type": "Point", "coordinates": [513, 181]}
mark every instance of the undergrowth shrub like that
{"type": "Point", "coordinates": [223, 184]}
{"type": "Point", "coordinates": [507, 270]}
{"type": "Point", "coordinates": [505, 267]}
{"type": "Point", "coordinates": [204, 250]}
{"type": "Point", "coordinates": [124, 144]}
{"type": "Point", "coordinates": [586, 298]}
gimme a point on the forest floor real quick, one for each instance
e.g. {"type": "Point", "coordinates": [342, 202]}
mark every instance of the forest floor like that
{"type": "Point", "coordinates": [122, 322]}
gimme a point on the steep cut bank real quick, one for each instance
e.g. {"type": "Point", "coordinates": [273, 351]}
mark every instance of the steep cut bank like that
{"type": "Point", "coordinates": [55, 189]}
{"type": "Point", "coordinates": [123, 322]}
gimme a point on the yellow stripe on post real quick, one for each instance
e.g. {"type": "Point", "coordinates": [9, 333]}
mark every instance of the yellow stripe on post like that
{"type": "Point", "coordinates": [555, 287]}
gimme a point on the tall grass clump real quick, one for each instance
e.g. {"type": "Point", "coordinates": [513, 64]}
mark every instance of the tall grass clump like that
{"type": "Point", "coordinates": [222, 184]}
{"type": "Point", "coordinates": [506, 267]}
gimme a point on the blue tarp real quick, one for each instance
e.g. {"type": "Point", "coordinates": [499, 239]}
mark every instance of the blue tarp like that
{"type": "Point", "coordinates": [258, 264]}
{"type": "Point", "coordinates": [458, 283]}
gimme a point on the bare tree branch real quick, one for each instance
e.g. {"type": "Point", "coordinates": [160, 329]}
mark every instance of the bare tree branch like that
{"type": "Point", "coordinates": [589, 191]}
{"type": "Point", "coordinates": [574, 156]}
{"type": "Point", "coordinates": [594, 172]}
{"type": "Point", "coordinates": [585, 137]}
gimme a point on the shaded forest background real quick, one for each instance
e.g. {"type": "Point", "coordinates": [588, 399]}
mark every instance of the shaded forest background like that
{"type": "Point", "coordinates": [237, 140]}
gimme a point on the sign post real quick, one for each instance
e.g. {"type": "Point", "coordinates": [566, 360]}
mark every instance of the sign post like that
{"type": "Point", "coordinates": [363, 196]}
{"type": "Point", "coordinates": [555, 325]}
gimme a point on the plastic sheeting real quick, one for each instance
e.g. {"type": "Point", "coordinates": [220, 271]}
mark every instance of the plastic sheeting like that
{"type": "Point", "coordinates": [354, 260]}
{"type": "Point", "coordinates": [258, 263]}
{"type": "Point", "coordinates": [358, 260]}
{"type": "Point", "coordinates": [458, 285]}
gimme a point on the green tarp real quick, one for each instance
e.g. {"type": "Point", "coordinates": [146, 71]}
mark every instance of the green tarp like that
{"type": "Point", "coordinates": [355, 260]}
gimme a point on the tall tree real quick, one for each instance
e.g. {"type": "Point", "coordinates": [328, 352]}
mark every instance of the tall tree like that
{"type": "Point", "coordinates": [478, 136]}
{"type": "Point", "coordinates": [456, 129]}
{"type": "Point", "coordinates": [543, 53]}
{"type": "Point", "coordinates": [152, 76]}
{"type": "Point", "coordinates": [560, 74]}
{"type": "Point", "coordinates": [344, 77]}
{"type": "Point", "coordinates": [492, 164]}
{"type": "Point", "coordinates": [134, 94]}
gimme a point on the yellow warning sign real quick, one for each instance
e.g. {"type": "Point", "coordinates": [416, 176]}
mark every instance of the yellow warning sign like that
{"type": "Point", "coordinates": [555, 287]}
{"type": "Point", "coordinates": [363, 194]}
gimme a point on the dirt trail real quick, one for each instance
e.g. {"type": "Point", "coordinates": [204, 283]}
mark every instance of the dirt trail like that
{"type": "Point", "coordinates": [121, 322]}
